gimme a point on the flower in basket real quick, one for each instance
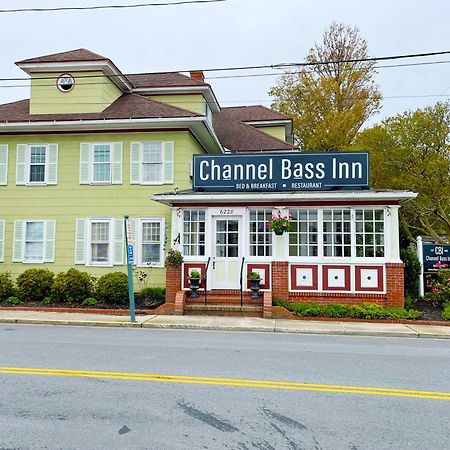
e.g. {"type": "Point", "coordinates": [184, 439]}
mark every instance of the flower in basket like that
{"type": "Point", "coordinates": [280, 223]}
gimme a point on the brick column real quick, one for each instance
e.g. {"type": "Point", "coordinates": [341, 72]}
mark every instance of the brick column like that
{"type": "Point", "coordinates": [395, 285]}
{"type": "Point", "coordinates": [173, 283]}
{"type": "Point", "coordinates": [280, 280]}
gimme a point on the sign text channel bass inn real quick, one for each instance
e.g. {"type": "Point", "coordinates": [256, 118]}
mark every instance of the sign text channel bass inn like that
{"type": "Point", "coordinates": [281, 172]}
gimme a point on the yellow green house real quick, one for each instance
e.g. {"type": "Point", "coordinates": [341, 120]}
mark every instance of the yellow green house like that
{"type": "Point", "coordinates": [92, 144]}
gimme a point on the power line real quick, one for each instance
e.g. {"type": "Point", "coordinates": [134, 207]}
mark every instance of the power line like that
{"type": "Point", "coordinates": [86, 8]}
{"type": "Point", "coordinates": [266, 66]}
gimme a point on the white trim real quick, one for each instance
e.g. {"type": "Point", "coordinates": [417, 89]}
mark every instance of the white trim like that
{"type": "Point", "coordinates": [24, 241]}
{"type": "Point", "coordinates": [264, 197]}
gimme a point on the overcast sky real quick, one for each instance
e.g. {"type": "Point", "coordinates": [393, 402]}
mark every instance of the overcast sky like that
{"type": "Point", "coordinates": [235, 33]}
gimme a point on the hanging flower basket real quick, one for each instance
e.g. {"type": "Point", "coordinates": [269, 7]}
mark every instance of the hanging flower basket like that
{"type": "Point", "coordinates": [280, 223]}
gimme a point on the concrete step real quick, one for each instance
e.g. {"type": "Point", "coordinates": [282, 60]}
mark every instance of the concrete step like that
{"type": "Point", "coordinates": [223, 310]}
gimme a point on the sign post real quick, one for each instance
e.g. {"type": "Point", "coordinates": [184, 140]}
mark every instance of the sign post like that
{"type": "Point", "coordinates": [130, 260]}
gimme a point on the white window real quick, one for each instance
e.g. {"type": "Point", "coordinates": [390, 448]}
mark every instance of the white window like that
{"type": "Point", "coordinates": [36, 164]}
{"type": "Point", "coordinates": [194, 233]}
{"type": "Point", "coordinates": [101, 163]}
{"type": "Point", "coordinates": [260, 234]}
{"type": "Point", "coordinates": [337, 232]}
{"type": "Point", "coordinates": [99, 241]}
{"type": "Point", "coordinates": [150, 242]}
{"type": "Point", "coordinates": [34, 241]}
{"type": "Point", "coordinates": [304, 233]}
{"type": "Point", "coordinates": [151, 162]}
{"type": "Point", "coordinates": [3, 165]}
{"type": "Point", "coordinates": [369, 232]}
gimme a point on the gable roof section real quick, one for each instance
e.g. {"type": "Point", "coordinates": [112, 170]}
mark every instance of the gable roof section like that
{"type": "Point", "coordinates": [253, 113]}
{"type": "Point", "coordinates": [78, 55]}
{"type": "Point", "coordinates": [128, 106]}
{"type": "Point", "coordinates": [163, 79]}
{"type": "Point", "coordinates": [237, 136]}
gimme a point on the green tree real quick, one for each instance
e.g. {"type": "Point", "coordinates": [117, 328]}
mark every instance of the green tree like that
{"type": "Point", "coordinates": [330, 102]}
{"type": "Point", "coordinates": [411, 151]}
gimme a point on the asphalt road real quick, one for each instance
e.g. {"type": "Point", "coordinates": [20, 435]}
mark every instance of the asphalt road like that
{"type": "Point", "coordinates": [177, 389]}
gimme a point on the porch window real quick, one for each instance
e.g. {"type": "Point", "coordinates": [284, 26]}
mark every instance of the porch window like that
{"type": "Point", "coordinates": [337, 232]}
{"type": "Point", "coordinates": [369, 225]}
{"type": "Point", "coordinates": [194, 233]}
{"type": "Point", "coordinates": [260, 235]}
{"type": "Point", "coordinates": [304, 233]}
{"type": "Point", "coordinates": [151, 249]}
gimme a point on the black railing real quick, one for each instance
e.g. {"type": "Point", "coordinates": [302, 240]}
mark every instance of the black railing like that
{"type": "Point", "coordinates": [206, 280]}
{"type": "Point", "coordinates": [240, 279]}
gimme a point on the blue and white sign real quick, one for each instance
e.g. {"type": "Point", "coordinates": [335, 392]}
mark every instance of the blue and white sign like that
{"type": "Point", "coordinates": [130, 254]}
{"type": "Point", "coordinates": [435, 256]}
{"type": "Point", "coordinates": [281, 171]}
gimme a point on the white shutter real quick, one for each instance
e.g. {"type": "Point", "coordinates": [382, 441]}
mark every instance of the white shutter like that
{"type": "Point", "coordinates": [80, 241]}
{"type": "Point", "coordinates": [18, 240]}
{"type": "Point", "coordinates": [52, 177]}
{"type": "Point", "coordinates": [49, 241]}
{"type": "Point", "coordinates": [118, 242]}
{"type": "Point", "coordinates": [3, 165]}
{"type": "Point", "coordinates": [2, 240]}
{"type": "Point", "coordinates": [168, 162]}
{"type": "Point", "coordinates": [135, 163]}
{"type": "Point", "coordinates": [116, 159]}
{"type": "Point", "coordinates": [21, 159]}
{"type": "Point", "coordinates": [84, 163]}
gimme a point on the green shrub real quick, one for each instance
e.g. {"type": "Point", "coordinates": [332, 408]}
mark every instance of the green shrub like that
{"type": "Point", "coordinates": [446, 311]}
{"type": "Point", "coordinates": [409, 303]}
{"type": "Point", "coordinates": [73, 286]}
{"type": "Point", "coordinates": [174, 258]}
{"type": "Point", "coordinates": [363, 311]}
{"type": "Point", "coordinates": [439, 285]}
{"type": "Point", "coordinates": [34, 284]}
{"type": "Point", "coordinates": [6, 286]}
{"type": "Point", "coordinates": [13, 301]}
{"type": "Point", "coordinates": [48, 300]}
{"type": "Point", "coordinates": [411, 273]}
{"type": "Point", "coordinates": [155, 294]}
{"type": "Point", "coordinates": [89, 301]}
{"type": "Point", "coordinates": [112, 288]}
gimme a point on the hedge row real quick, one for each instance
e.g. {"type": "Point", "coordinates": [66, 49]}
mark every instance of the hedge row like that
{"type": "Point", "coordinates": [363, 311]}
{"type": "Point", "coordinates": [72, 287]}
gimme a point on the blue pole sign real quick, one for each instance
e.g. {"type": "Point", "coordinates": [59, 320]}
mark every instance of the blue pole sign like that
{"type": "Point", "coordinates": [130, 260]}
{"type": "Point", "coordinates": [293, 171]}
{"type": "Point", "coordinates": [435, 256]}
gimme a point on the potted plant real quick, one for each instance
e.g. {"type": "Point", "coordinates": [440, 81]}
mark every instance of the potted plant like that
{"type": "Point", "coordinates": [194, 282]}
{"type": "Point", "coordinates": [174, 258]}
{"type": "Point", "coordinates": [280, 223]}
{"type": "Point", "coordinates": [255, 279]}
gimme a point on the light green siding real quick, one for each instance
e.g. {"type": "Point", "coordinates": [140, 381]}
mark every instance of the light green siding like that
{"type": "Point", "coordinates": [92, 94]}
{"type": "Point", "coordinates": [191, 102]}
{"type": "Point", "coordinates": [68, 200]}
{"type": "Point", "coordinates": [277, 132]}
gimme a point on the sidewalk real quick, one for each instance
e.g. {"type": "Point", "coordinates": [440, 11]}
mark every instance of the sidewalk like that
{"type": "Point", "coordinates": [228, 324]}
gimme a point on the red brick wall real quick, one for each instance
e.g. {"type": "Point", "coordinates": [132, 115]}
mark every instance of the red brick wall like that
{"type": "Point", "coordinates": [395, 285]}
{"type": "Point", "coordinates": [173, 283]}
{"type": "Point", "coordinates": [343, 298]}
{"type": "Point", "coordinates": [280, 280]}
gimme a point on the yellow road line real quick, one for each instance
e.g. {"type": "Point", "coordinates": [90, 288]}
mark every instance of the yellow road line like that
{"type": "Point", "coordinates": [235, 382]}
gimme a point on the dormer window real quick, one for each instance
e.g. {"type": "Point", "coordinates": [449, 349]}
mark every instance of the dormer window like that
{"type": "Point", "coordinates": [65, 82]}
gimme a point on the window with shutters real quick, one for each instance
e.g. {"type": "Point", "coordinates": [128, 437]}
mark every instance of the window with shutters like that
{"type": "Point", "coordinates": [150, 242]}
{"type": "Point", "coordinates": [36, 164]}
{"type": "Point", "coordinates": [151, 162]}
{"type": "Point", "coordinates": [34, 241]}
{"type": "Point", "coordinates": [101, 163]}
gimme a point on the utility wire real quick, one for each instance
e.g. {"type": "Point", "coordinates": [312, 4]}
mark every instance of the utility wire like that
{"type": "Point", "coordinates": [266, 66]}
{"type": "Point", "coordinates": [86, 8]}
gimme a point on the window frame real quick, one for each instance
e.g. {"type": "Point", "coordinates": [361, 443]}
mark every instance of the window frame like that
{"type": "Point", "coordinates": [28, 182]}
{"type": "Point", "coordinates": [197, 244]}
{"type": "Point", "coordinates": [353, 254]}
{"type": "Point", "coordinates": [25, 241]}
{"type": "Point", "coordinates": [265, 233]}
{"type": "Point", "coordinates": [140, 241]}
{"type": "Point", "coordinates": [92, 163]}
{"type": "Point", "coordinates": [89, 261]}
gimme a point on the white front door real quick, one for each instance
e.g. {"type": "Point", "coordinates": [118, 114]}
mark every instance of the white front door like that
{"type": "Point", "coordinates": [226, 252]}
